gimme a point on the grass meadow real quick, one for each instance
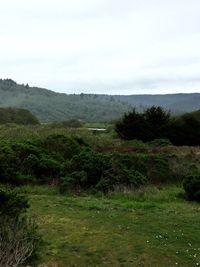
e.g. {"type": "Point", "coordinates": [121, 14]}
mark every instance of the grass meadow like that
{"type": "Point", "coordinates": [154, 226]}
{"type": "Point", "coordinates": [148, 227]}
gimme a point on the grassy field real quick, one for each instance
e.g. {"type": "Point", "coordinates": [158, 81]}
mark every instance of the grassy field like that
{"type": "Point", "coordinates": [150, 227]}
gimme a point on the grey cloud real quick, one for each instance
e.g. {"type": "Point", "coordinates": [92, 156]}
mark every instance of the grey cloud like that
{"type": "Point", "coordinates": [102, 46]}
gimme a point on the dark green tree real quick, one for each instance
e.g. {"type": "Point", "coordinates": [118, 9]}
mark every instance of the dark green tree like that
{"type": "Point", "coordinates": [132, 126]}
{"type": "Point", "coordinates": [157, 123]}
{"type": "Point", "coordinates": [185, 130]}
{"type": "Point", "coordinates": [147, 126]}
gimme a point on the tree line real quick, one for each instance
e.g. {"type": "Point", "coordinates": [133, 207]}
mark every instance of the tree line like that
{"type": "Point", "coordinates": [156, 123]}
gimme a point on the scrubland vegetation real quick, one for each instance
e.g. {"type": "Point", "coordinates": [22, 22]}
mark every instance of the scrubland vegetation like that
{"type": "Point", "coordinates": [100, 200]}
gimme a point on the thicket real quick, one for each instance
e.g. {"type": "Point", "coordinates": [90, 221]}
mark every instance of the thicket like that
{"type": "Point", "coordinates": [18, 233]}
{"type": "Point", "coordinates": [73, 165]}
{"type": "Point", "coordinates": [100, 172]}
{"type": "Point", "coordinates": [156, 123]}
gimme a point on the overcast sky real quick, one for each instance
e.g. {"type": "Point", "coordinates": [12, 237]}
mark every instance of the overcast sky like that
{"type": "Point", "coordinates": [102, 46]}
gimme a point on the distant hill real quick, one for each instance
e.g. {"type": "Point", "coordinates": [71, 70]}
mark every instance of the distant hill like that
{"type": "Point", "coordinates": [176, 103]}
{"type": "Point", "coordinates": [17, 115]}
{"type": "Point", "coordinates": [49, 106]}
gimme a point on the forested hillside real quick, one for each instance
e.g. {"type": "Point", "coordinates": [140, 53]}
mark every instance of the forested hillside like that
{"type": "Point", "coordinates": [47, 105]}
{"type": "Point", "coordinates": [176, 103]}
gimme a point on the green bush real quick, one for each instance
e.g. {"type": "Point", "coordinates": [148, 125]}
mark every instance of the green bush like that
{"type": "Point", "coordinates": [159, 170]}
{"type": "Point", "coordinates": [137, 179]}
{"type": "Point", "coordinates": [12, 204]}
{"type": "Point", "coordinates": [86, 169]}
{"type": "Point", "coordinates": [37, 161]}
{"type": "Point", "coordinates": [72, 181]}
{"type": "Point", "coordinates": [70, 163]}
{"type": "Point", "coordinates": [18, 233]}
{"type": "Point", "coordinates": [90, 170]}
{"type": "Point", "coordinates": [192, 187]}
{"type": "Point", "coordinates": [48, 169]}
{"type": "Point", "coordinates": [61, 147]}
{"type": "Point", "coordinates": [18, 240]}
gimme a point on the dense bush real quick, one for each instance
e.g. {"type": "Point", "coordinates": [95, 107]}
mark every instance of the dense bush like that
{"type": "Point", "coordinates": [38, 161]}
{"type": "Point", "coordinates": [155, 167]}
{"type": "Point", "coordinates": [192, 187]}
{"type": "Point", "coordinates": [72, 164]}
{"type": "Point", "coordinates": [92, 170]}
{"type": "Point", "coordinates": [61, 147]}
{"type": "Point", "coordinates": [12, 204]}
{"type": "Point", "coordinates": [18, 233]}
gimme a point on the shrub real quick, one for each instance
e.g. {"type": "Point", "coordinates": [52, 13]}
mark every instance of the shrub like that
{"type": "Point", "coordinates": [137, 179]}
{"type": "Point", "coordinates": [101, 172]}
{"type": "Point", "coordinates": [8, 163]}
{"type": "Point", "coordinates": [31, 164]}
{"type": "Point", "coordinates": [192, 187]}
{"type": "Point", "coordinates": [48, 169]}
{"type": "Point", "coordinates": [18, 233]}
{"type": "Point", "coordinates": [18, 240]}
{"type": "Point", "coordinates": [72, 181]}
{"type": "Point", "coordinates": [159, 169]}
{"type": "Point", "coordinates": [86, 169]}
{"type": "Point", "coordinates": [12, 204]}
{"type": "Point", "coordinates": [37, 160]}
{"type": "Point", "coordinates": [60, 146]}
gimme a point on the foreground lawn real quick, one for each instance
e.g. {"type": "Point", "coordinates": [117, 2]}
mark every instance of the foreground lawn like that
{"type": "Point", "coordinates": [151, 227]}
